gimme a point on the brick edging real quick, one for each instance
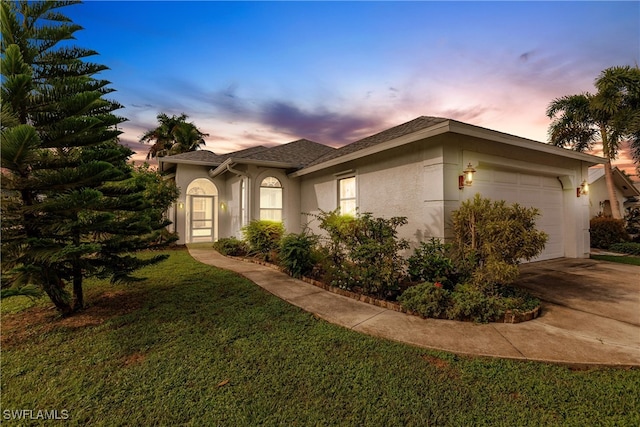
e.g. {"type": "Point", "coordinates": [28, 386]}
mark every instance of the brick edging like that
{"type": "Point", "coordinates": [509, 317]}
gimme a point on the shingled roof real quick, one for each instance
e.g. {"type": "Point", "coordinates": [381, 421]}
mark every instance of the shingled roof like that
{"type": "Point", "coordinates": [414, 125]}
{"type": "Point", "coordinates": [298, 153]}
{"type": "Point", "coordinates": [209, 157]}
{"type": "Point", "coordinates": [301, 153]}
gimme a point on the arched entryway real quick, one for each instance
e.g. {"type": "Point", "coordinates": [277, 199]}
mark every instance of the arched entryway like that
{"type": "Point", "coordinates": [202, 211]}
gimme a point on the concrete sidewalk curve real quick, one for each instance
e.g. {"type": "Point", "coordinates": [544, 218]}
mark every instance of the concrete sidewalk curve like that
{"type": "Point", "coordinates": [535, 340]}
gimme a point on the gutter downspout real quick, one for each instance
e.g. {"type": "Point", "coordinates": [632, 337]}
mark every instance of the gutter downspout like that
{"type": "Point", "coordinates": [230, 168]}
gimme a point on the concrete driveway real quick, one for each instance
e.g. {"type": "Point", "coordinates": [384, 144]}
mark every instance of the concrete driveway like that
{"type": "Point", "coordinates": [600, 288]}
{"type": "Point", "coordinates": [586, 299]}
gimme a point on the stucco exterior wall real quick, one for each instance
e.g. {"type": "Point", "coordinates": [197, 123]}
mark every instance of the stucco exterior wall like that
{"type": "Point", "coordinates": [420, 181]}
{"type": "Point", "coordinates": [401, 182]}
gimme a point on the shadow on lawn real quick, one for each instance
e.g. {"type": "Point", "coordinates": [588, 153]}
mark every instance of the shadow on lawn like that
{"type": "Point", "coordinates": [19, 328]}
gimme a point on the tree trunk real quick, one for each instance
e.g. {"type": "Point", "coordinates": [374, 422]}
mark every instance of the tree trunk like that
{"type": "Point", "coordinates": [57, 296]}
{"type": "Point", "coordinates": [608, 172]}
{"type": "Point", "coordinates": [613, 199]}
{"type": "Point", "coordinates": [78, 294]}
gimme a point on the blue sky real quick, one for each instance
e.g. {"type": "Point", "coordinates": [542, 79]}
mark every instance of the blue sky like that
{"type": "Point", "coordinates": [268, 73]}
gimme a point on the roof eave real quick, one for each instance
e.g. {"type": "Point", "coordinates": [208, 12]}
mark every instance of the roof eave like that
{"type": "Point", "coordinates": [631, 190]}
{"type": "Point", "coordinates": [517, 141]}
{"type": "Point", "coordinates": [220, 169]}
{"type": "Point", "coordinates": [188, 162]}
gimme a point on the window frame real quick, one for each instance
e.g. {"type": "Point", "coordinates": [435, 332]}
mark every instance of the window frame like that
{"type": "Point", "coordinates": [354, 199]}
{"type": "Point", "coordinates": [271, 213]}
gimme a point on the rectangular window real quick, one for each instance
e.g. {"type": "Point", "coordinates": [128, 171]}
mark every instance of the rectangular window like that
{"type": "Point", "coordinates": [271, 203]}
{"type": "Point", "coordinates": [347, 195]}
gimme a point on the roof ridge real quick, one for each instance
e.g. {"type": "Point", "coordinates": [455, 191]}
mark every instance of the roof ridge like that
{"type": "Point", "coordinates": [414, 125]}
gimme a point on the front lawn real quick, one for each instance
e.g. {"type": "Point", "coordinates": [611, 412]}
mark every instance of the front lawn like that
{"type": "Point", "coordinates": [195, 345]}
{"type": "Point", "coordinates": [622, 259]}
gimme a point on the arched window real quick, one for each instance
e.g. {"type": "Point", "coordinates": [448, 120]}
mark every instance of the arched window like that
{"type": "Point", "coordinates": [271, 199]}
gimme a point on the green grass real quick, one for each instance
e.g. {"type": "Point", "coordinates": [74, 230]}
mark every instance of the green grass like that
{"type": "Point", "coordinates": [622, 259]}
{"type": "Point", "coordinates": [200, 346]}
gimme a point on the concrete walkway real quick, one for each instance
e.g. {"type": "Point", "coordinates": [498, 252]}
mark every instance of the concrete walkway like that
{"type": "Point", "coordinates": [562, 334]}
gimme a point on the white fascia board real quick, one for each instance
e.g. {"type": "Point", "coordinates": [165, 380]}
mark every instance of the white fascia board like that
{"type": "Point", "coordinates": [429, 132]}
{"type": "Point", "coordinates": [626, 182]}
{"type": "Point", "coordinates": [530, 144]}
{"type": "Point", "coordinates": [266, 163]}
{"type": "Point", "coordinates": [187, 162]}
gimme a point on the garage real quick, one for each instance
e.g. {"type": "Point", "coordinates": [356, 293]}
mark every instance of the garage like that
{"type": "Point", "coordinates": [542, 192]}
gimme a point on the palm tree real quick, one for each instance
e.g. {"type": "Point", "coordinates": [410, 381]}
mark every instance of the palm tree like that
{"type": "Point", "coordinates": [608, 117]}
{"type": "Point", "coordinates": [174, 135]}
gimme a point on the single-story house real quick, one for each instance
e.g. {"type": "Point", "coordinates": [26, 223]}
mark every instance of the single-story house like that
{"type": "Point", "coordinates": [626, 193]}
{"type": "Point", "coordinates": [421, 169]}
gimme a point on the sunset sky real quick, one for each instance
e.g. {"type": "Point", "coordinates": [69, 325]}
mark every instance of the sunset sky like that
{"type": "Point", "coordinates": [268, 73]}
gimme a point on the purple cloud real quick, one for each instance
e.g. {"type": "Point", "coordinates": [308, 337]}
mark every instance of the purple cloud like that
{"type": "Point", "coordinates": [320, 125]}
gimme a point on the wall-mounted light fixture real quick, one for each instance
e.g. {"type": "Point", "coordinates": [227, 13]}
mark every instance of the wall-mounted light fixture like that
{"type": "Point", "coordinates": [180, 205]}
{"type": "Point", "coordinates": [583, 190]}
{"type": "Point", "coordinates": [223, 206]}
{"type": "Point", "coordinates": [467, 178]}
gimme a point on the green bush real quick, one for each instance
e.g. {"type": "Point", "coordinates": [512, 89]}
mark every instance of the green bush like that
{"type": "Point", "coordinates": [426, 299]}
{"type": "Point", "coordinates": [631, 248]}
{"type": "Point", "coordinates": [495, 236]}
{"type": "Point", "coordinates": [263, 238]}
{"type": "Point", "coordinates": [470, 303]}
{"type": "Point", "coordinates": [230, 246]}
{"type": "Point", "coordinates": [431, 263]}
{"type": "Point", "coordinates": [363, 253]}
{"type": "Point", "coordinates": [607, 231]}
{"type": "Point", "coordinates": [466, 302]}
{"type": "Point", "coordinates": [298, 253]}
{"type": "Point", "coordinates": [632, 219]}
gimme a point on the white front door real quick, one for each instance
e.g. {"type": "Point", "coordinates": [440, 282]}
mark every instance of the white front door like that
{"type": "Point", "coordinates": [202, 224]}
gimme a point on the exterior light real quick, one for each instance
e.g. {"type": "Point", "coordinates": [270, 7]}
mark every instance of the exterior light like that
{"type": "Point", "coordinates": [223, 206]}
{"type": "Point", "coordinates": [180, 205]}
{"type": "Point", "coordinates": [467, 178]}
{"type": "Point", "coordinates": [583, 190]}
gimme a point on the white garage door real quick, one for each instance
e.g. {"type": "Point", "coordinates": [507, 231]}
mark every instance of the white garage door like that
{"type": "Point", "coordinates": [542, 192]}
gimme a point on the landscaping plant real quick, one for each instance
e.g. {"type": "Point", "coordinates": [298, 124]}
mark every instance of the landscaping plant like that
{"type": "Point", "coordinates": [632, 219]}
{"type": "Point", "coordinates": [263, 238]}
{"type": "Point", "coordinates": [496, 236]}
{"type": "Point", "coordinates": [426, 299]}
{"type": "Point", "coordinates": [631, 248]}
{"type": "Point", "coordinates": [364, 252]}
{"type": "Point", "coordinates": [606, 231]}
{"type": "Point", "coordinates": [230, 246]}
{"type": "Point", "coordinates": [431, 262]}
{"type": "Point", "coordinates": [72, 206]}
{"type": "Point", "coordinates": [298, 254]}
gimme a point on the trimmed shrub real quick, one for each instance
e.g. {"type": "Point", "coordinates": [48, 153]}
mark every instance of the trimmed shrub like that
{"type": "Point", "coordinates": [430, 262]}
{"type": "Point", "coordinates": [426, 299]}
{"type": "Point", "coordinates": [495, 236]}
{"type": "Point", "coordinates": [470, 303]}
{"type": "Point", "coordinates": [263, 238]}
{"type": "Point", "coordinates": [297, 254]}
{"type": "Point", "coordinates": [230, 246]}
{"type": "Point", "coordinates": [363, 253]}
{"type": "Point", "coordinates": [607, 231]}
{"type": "Point", "coordinates": [631, 248]}
{"type": "Point", "coordinates": [466, 302]}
